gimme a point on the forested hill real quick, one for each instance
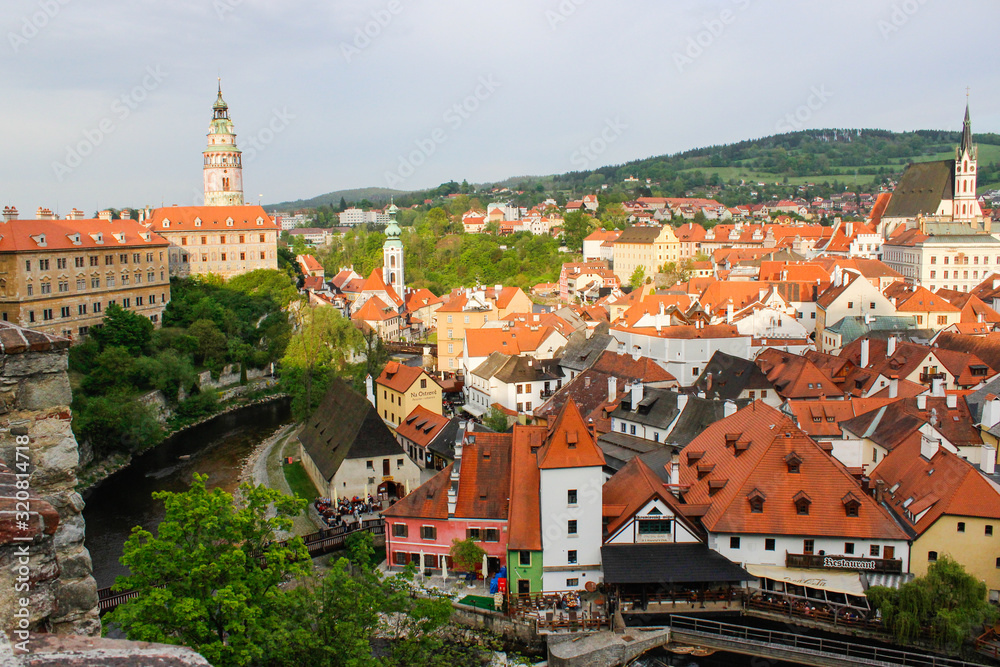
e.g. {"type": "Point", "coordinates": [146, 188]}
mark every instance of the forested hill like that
{"type": "Point", "coordinates": [844, 155]}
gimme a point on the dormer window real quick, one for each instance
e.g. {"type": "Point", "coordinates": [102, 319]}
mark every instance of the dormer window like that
{"type": "Point", "coordinates": [756, 498]}
{"type": "Point", "coordinates": [694, 457]}
{"type": "Point", "coordinates": [802, 502]}
{"type": "Point", "coordinates": [260, 221]}
{"type": "Point", "coordinates": [40, 240]}
{"type": "Point", "coordinates": [197, 222]}
{"type": "Point", "coordinates": [793, 461]}
{"type": "Point", "coordinates": [851, 504]}
{"type": "Point", "coordinates": [229, 222]}
{"type": "Point", "coordinates": [571, 439]}
{"type": "Point", "coordinates": [704, 469]}
{"type": "Point", "coordinates": [166, 223]}
{"type": "Point", "coordinates": [716, 485]}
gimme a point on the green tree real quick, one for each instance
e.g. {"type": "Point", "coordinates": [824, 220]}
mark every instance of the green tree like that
{"type": "Point", "coordinates": [576, 226]}
{"type": "Point", "coordinates": [319, 349]}
{"type": "Point", "coordinates": [123, 328]}
{"type": "Point", "coordinates": [637, 277]}
{"type": "Point", "coordinates": [212, 344]}
{"type": "Point", "coordinates": [210, 578]}
{"type": "Point", "coordinates": [496, 420]}
{"type": "Point", "coordinates": [947, 600]}
{"type": "Point", "coordinates": [466, 554]}
{"type": "Point", "coordinates": [115, 422]}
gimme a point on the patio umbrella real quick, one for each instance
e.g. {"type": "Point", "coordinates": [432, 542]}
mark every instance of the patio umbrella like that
{"type": "Point", "coordinates": [406, 486]}
{"type": "Point", "coordinates": [444, 568]}
{"type": "Point", "coordinates": [336, 500]}
{"type": "Point", "coordinates": [485, 567]}
{"type": "Point", "coordinates": [421, 568]}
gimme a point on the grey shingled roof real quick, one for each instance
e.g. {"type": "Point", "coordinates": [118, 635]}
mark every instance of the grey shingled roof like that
{"type": "Point", "coordinates": [639, 235]}
{"type": "Point", "coordinates": [581, 351]}
{"type": "Point", "coordinates": [657, 408]}
{"type": "Point", "coordinates": [921, 188]}
{"type": "Point", "coordinates": [345, 426]}
{"type": "Point", "coordinates": [665, 563]}
{"type": "Point", "coordinates": [730, 376]}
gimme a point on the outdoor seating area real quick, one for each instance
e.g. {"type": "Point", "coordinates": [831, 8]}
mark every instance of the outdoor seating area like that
{"type": "Point", "coordinates": [339, 514]}
{"type": "Point", "coordinates": [562, 611]}
{"type": "Point", "coordinates": [849, 612]}
{"type": "Point", "coordinates": [722, 598]}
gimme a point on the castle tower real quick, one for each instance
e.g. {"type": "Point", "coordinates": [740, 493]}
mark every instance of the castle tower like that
{"type": "Point", "coordinates": [392, 255]}
{"type": "Point", "coordinates": [966, 207]}
{"type": "Point", "coordinates": [223, 161]}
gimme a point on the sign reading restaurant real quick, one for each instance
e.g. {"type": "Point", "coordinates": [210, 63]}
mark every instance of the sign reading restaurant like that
{"type": "Point", "coordinates": [848, 563]}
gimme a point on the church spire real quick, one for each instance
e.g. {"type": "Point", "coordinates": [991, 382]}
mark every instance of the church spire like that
{"type": "Point", "coordinates": [966, 146]}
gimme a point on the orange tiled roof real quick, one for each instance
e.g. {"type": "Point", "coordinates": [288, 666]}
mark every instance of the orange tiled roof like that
{"type": "Point", "coordinates": [374, 310]}
{"type": "Point", "coordinates": [28, 235]}
{"type": "Point", "coordinates": [213, 218]}
{"type": "Point", "coordinates": [569, 443]}
{"type": "Point", "coordinates": [748, 453]}
{"type": "Point", "coordinates": [525, 523]}
{"type": "Point", "coordinates": [375, 283]}
{"type": "Point", "coordinates": [632, 487]}
{"type": "Point", "coordinates": [421, 426]}
{"type": "Point", "coordinates": [399, 377]}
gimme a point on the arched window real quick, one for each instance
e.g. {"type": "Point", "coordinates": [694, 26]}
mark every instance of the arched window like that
{"type": "Point", "coordinates": [392, 261]}
{"type": "Point", "coordinates": [965, 166]}
{"type": "Point", "coordinates": [965, 186]}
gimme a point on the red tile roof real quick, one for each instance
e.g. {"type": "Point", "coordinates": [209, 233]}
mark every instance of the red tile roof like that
{"type": "Point", "coordinates": [29, 235]}
{"type": "Point", "coordinates": [569, 443]}
{"type": "Point", "coordinates": [524, 530]}
{"type": "Point", "coordinates": [749, 452]}
{"type": "Point", "coordinates": [399, 377]}
{"type": "Point", "coordinates": [213, 218]}
{"type": "Point", "coordinates": [421, 426]}
{"type": "Point", "coordinates": [630, 489]}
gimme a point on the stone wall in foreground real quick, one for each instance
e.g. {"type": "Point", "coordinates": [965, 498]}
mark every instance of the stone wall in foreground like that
{"type": "Point", "coordinates": [35, 416]}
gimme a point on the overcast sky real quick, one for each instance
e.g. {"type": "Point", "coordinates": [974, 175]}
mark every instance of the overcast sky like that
{"type": "Point", "coordinates": [107, 102]}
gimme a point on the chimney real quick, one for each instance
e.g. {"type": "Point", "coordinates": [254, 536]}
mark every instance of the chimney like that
{"type": "Point", "coordinates": [456, 468]}
{"type": "Point", "coordinates": [729, 408]}
{"type": "Point", "coordinates": [865, 345]}
{"type": "Point", "coordinates": [951, 400]}
{"type": "Point", "coordinates": [44, 214]}
{"type": "Point", "coordinates": [729, 313]}
{"type": "Point", "coordinates": [937, 387]}
{"type": "Point", "coordinates": [879, 490]}
{"type": "Point", "coordinates": [75, 214]}
{"type": "Point", "coordinates": [893, 387]}
{"type": "Point", "coordinates": [991, 411]}
{"type": "Point", "coordinates": [988, 459]}
{"type": "Point", "coordinates": [928, 446]}
{"type": "Point", "coordinates": [104, 215]}
{"type": "Point", "coordinates": [890, 346]}
{"type": "Point", "coordinates": [126, 214]}
{"type": "Point", "coordinates": [922, 402]}
{"type": "Point", "coordinates": [675, 469]}
{"type": "Point", "coordinates": [682, 400]}
{"type": "Point", "coordinates": [637, 391]}
{"type": "Point", "coordinates": [9, 213]}
{"type": "Point", "coordinates": [370, 390]}
{"type": "Point", "coordinates": [612, 388]}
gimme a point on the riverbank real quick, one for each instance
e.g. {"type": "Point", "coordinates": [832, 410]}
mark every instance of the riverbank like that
{"type": "Point", "coordinates": [93, 474]}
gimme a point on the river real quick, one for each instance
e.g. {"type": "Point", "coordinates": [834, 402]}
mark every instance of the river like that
{"type": "Point", "coordinates": [217, 448]}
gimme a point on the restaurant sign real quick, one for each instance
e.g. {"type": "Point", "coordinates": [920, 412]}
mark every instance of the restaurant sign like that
{"type": "Point", "coordinates": [848, 563]}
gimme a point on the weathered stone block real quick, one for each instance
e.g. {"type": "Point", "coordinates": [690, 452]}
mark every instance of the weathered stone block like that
{"type": "Point", "coordinates": [35, 363]}
{"type": "Point", "coordinates": [74, 595]}
{"type": "Point", "coordinates": [44, 391]}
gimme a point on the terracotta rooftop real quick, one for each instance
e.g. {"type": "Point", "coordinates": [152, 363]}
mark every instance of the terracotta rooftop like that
{"type": "Point", "coordinates": [212, 218]}
{"type": "Point", "coordinates": [400, 377]}
{"type": "Point", "coordinates": [17, 340]}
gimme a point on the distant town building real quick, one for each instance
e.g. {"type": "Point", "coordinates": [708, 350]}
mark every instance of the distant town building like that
{"type": "Point", "coordinates": [290, 222]}
{"type": "Point", "coordinates": [355, 216]}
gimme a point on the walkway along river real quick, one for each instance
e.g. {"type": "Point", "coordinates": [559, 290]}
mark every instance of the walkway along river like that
{"type": "Point", "coordinates": [217, 448]}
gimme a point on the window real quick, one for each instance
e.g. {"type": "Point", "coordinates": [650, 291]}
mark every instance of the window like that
{"type": "Point", "coordinates": [695, 371]}
{"type": "Point", "coordinates": [524, 558]}
{"type": "Point", "coordinates": [399, 463]}
{"type": "Point", "coordinates": [47, 314]}
{"type": "Point", "coordinates": [474, 534]}
{"type": "Point", "coordinates": [46, 288]}
{"type": "Point", "coordinates": [492, 534]}
{"type": "Point", "coordinates": [571, 497]}
{"type": "Point", "coordinates": [571, 527]}
{"type": "Point", "coordinates": [932, 556]}
{"type": "Point", "coordinates": [78, 262]}
{"type": "Point", "coordinates": [31, 290]}
{"type": "Point", "coordinates": [808, 546]}
{"type": "Point", "coordinates": [989, 530]}
{"type": "Point", "coordinates": [654, 526]}
{"type": "Point", "coordinates": [848, 547]}
{"type": "Point", "coordinates": [875, 550]}
{"type": "Point", "coordinates": [400, 530]}
{"type": "Point", "coordinates": [571, 557]}
{"type": "Point", "coordinates": [428, 533]}
{"type": "Point", "coordinates": [734, 542]}
{"type": "Point", "coordinates": [81, 284]}
{"type": "Point", "coordinates": [370, 465]}
{"type": "Point", "coordinates": [850, 304]}
{"type": "Point", "coordinates": [574, 582]}
{"type": "Point", "coordinates": [961, 526]}
{"type": "Point", "coordinates": [64, 311]}
{"type": "Point", "coordinates": [423, 383]}
{"type": "Point", "coordinates": [81, 309]}
{"type": "Point", "coordinates": [27, 265]}
{"type": "Point", "coordinates": [31, 316]}
{"type": "Point", "coordinates": [94, 260]}
{"type": "Point", "coordinates": [97, 307]}
{"type": "Point", "coordinates": [61, 263]}
{"type": "Point", "coordinates": [769, 544]}
{"type": "Point", "coordinates": [631, 429]}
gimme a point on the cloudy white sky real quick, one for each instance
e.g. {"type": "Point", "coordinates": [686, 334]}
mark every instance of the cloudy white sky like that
{"type": "Point", "coordinates": [107, 102]}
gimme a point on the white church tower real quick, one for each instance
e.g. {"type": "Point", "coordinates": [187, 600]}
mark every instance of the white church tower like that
{"type": "Point", "coordinates": [966, 206]}
{"type": "Point", "coordinates": [392, 255]}
{"type": "Point", "coordinates": [223, 161]}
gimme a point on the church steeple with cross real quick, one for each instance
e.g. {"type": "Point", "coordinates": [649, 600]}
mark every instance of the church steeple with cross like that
{"type": "Point", "coordinates": [966, 207]}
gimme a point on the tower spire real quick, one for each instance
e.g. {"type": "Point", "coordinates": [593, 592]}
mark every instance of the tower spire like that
{"type": "Point", "coordinates": [966, 146]}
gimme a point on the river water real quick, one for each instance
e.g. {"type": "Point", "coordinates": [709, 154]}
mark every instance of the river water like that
{"type": "Point", "coordinates": [216, 448]}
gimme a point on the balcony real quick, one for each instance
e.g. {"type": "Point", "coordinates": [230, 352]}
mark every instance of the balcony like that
{"type": "Point", "coordinates": [926, 378]}
{"type": "Point", "coordinates": [854, 563]}
{"type": "Point", "coordinates": [546, 393]}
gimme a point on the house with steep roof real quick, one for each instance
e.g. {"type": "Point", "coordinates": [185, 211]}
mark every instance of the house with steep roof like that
{"type": "Point", "coordinates": [851, 295]}
{"type": "Point", "coordinates": [310, 266]}
{"type": "Point", "coordinates": [950, 507]}
{"type": "Point", "coordinates": [769, 497]}
{"type": "Point", "coordinates": [348, 451]}
{"type": "Point", "coordinates": [401, 388]}
{"type": "Point", "coordinates": [729, 377]}
{"type": "Point", "coordinates": [795, 377]}
{"type": "Point", "coordinates": [929, 310]}
{"type": "Point", "coordinates": [517, 384]}
{"type": "Point", "coordinates": [418, 431]}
